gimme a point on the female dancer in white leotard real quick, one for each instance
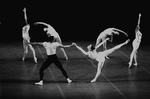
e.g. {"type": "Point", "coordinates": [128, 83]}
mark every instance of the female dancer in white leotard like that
{"type": "Point", "coordinates": [26, 39]}
{"type": "Point", "coordinates": [99, 56]}
{"type": "Point", "coordinates": [136, 43]}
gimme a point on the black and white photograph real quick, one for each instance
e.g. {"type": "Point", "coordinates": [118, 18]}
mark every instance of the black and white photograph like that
{"type": "Point", "coordinates": [75, 49]}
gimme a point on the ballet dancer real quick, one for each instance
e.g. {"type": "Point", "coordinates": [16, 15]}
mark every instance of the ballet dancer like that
{"type": "Point", "coordinates": [52, 32]}
{"type": "Point", "coordinates": [99, 56]}
{"type": "Point", "coordinates": [136, 43]}
{"type": "Point", "coordinates": [51, 47]}
{"type": "Point", "coordinates": [108, 32]}
{"type": "Point", "coordinates": [26, 39]}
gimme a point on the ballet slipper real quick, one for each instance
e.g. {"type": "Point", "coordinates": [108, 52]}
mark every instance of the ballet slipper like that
{"type": "Point", "coordinates": [69, 81]}
{"type": "Point", "coordinates": [35, 60]}
{"type": "Point", "coordinates": [39, 83]}
{"type": "Point", "coordinates": [92, 81]}
{"type": "Point", "coordinates": [129, 64]}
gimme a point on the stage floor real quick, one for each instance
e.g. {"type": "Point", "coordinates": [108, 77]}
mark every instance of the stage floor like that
{"type": "Point", "coordinates": [116, 81]}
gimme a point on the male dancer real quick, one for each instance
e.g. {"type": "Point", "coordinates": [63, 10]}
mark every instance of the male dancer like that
{"type": "Point", "coordinates": [136, 43]}
{"type": "Point", "coordinates": [99, 56]}
{"type": "Point", "coordinates": [51, 47]}
{"type": "Point", "coordinates": [52, 32]}
{"type": "Point", "coordinates": [26, 39]}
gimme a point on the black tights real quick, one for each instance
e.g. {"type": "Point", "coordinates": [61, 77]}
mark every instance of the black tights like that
{"type": "Point", "coordinates": [52, 59]}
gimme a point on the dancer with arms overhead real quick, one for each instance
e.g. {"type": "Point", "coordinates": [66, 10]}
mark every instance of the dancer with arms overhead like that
{"type": "Point", "coordinates": [136, 44]}
{"type": "Point", "coordinates": [26, 39]}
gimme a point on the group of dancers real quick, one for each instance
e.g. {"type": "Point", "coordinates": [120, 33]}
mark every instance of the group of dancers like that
{"type": "Point", "coordinates": [54, 42]}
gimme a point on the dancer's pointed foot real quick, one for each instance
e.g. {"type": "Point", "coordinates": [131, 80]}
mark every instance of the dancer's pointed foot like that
{"type": "Point", "coordinates": [39, 83]}
{"type": "Point", "coordinates": [92, 81]}
{"type": "Point", "coordinates": [66, 57]}
{"type": "Point", "coordinates": [129, 64]}
{"type": "Point", "coordinates": [35, 60]}
{"type": "Point", "coordinates": [23, 58]}
{"type": "Point", "coordinates": [135, 64]}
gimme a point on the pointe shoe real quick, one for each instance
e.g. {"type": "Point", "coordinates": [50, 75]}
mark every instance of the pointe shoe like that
{"type": "Point", "coordinates": [92, 81]}
{"type": "Point", "coordinates": [23, 58]}
{"type": "Point", "coordinates": [66, 57]}
{"type": "Point", "coordinates": [135, 64]}
{"type": "Point", "coordinates": [39, 83]}
{"type": "Point", "coordinates": [35, 60]}
{"type": "Point", "coordinates": [69, 81]}
{"type": "Point", "coordinates": [129, 65]}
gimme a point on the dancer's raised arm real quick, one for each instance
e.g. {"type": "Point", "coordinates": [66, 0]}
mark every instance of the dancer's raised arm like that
{"type": "Point", "coordinates": [139, 19]}
{"type": "Point", "coordinates": [42, 23]}
{"type": "Point", "coordinates": [115, 32]}
{"type": "Point", "coordinates": [25, 15]}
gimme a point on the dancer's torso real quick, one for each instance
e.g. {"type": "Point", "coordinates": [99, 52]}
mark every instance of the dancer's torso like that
{"type": "Point", "coordinates": [51, 47]}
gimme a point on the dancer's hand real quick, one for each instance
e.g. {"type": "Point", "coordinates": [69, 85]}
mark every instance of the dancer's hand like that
{"type": "Point", "coordinates": [35, 23]}
{"type": "Point", "coordinates": [24, 10]}
{"type": "Point", "coordinates": [74, 44]}
{"type": "Point", "coordinates": [115, 32]}
{"type": "Point", "coordinates": [107, 39]}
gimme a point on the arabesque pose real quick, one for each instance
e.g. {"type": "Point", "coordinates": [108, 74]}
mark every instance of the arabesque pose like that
{"type": "Point", "coordinates": [99, 56]}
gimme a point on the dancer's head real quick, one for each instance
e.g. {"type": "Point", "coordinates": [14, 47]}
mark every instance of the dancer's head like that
{"type": "Point", "coordinates": [45, 29]}
{"type": "Point", "coordinates": [91, 47]}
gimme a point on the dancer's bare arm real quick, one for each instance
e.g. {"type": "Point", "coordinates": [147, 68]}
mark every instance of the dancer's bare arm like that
{"type": "Point", "coordinates": [25, 15]}
{"type": "Point", "coordinates": [60, 45]}
{"type": "Point", "coordinates": [139, 19]}
{"type": "Point", "coordinates": [42, 23]}
{"type": "Point", "coordinates": [115, 32]}
{"type": "Point", "coordinates": [84, 52]}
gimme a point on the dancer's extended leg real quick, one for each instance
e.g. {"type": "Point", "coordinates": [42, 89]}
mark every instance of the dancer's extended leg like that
{"type": "Point", "coordinates": [59, 65]}
{"type": "Point", "coordinates": [33, 52]}
{"type": "Point", "coordinates": [105, 44]}
{"type": "Point", "coordinates": [25, 47]}
{"type": "Point", "coordinates": [43, 67]}
{"type": "Point", "coordinates": [135, 58]}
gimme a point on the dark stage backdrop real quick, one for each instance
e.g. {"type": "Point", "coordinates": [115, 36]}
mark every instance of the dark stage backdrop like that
{"type": "Point", "coordinates": [74, 21]}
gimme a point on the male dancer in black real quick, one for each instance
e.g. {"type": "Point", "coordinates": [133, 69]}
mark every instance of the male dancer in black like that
{"type": "Point", "coordinates": [51, 47]}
